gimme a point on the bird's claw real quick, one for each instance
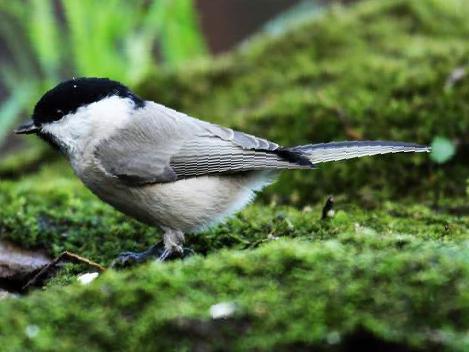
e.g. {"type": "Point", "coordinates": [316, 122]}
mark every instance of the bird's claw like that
{"type": "Point", "coordinates": [179, 253]}
{"type": "Point", "coordinates": [127, 259]}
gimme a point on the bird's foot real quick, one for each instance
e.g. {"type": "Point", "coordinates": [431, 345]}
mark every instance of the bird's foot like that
{"type": "Point", "coordinates": [126, 259]}
{"type": "Point", "coordinates": [182, 253]}
{"type": "Point", "coordinates": [173, 241]}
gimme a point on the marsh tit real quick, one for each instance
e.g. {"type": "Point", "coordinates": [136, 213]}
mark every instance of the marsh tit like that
{"type": "Point", "coordinates": [165, 168]}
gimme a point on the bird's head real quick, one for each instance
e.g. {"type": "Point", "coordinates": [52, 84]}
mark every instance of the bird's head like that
{"type": "Point", "coordinates": [79, 108]}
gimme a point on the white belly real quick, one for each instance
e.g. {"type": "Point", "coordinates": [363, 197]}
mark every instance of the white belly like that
{"type": "Point", "coordinates": [189, 205]}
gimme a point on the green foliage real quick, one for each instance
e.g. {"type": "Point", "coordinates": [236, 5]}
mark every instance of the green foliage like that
{"type": "Point", "coordinates": [19, 98]}
{"type": "Point", "coordinates": [115, 39]}
{"type": "Point", "coordinates": [374, 71]}
{"type": "Point", "coordinates": [179, 40]}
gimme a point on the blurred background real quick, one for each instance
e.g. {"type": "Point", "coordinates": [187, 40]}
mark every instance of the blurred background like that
{"type": "Point", "coordinates": [392, 70]}
{"type": "Point", "coordinates": [45, 41]}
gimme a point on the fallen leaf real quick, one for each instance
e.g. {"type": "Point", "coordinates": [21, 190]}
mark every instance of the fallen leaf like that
{"type": "Point", "coordinates": [15, 261]}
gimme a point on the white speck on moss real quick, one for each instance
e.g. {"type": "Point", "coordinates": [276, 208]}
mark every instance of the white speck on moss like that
{"type": "Point", "coordinates": [31, 331]}
{"type": "Point", "coordinates": [87, 278]}
{"type": "Point", "coordinates": [333, 338]}
{"type": "Point", "coordinates": [222, 310]}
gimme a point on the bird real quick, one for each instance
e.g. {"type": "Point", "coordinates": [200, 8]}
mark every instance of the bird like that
{"type": "Point", "coordinates": [165, 168]}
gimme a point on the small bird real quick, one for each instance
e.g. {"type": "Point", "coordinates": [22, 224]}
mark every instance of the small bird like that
{"type": "Point", "coordinates": [165, 168]}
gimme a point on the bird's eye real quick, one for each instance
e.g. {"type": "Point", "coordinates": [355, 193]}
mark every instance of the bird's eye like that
{"type": "Point", "coordinates": [59, 111]}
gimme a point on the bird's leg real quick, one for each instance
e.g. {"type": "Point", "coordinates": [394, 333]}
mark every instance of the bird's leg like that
{"type": "Point", "coordinates": [171, 248]}
{"type": "Point", "coordinates": [173, 241]}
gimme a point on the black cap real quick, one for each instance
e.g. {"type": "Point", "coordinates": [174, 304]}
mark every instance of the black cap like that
{"type": "Point", "coordinates": [67, 97]}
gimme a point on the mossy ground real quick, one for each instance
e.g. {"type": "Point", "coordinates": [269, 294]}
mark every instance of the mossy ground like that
{"type": "Point", "coordinates": [390, 269]}
{"type": "Point", "coordinates": [392, 275]}
{"type": "Point", "coordinates": [288, 294]}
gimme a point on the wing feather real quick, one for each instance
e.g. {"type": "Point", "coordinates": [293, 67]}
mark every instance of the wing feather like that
{"type": "Point", "coordinates": [211, 155]}
{"type": "Point", "coordinates": [162, 145]}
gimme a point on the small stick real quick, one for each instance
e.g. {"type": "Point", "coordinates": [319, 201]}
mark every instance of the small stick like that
{"type": "Point", "coordinates": [328, 209]}
{"type": "Point", "coordinates": [65, 256]}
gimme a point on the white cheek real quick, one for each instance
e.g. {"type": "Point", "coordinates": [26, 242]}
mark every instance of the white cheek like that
{"type": "Point", "coordinates": [91, 124]}
{"type": "Point", "coordinates": [70, 131]}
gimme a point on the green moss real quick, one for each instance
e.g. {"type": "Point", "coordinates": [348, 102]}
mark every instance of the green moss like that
{"type": "Point", "coordinates": [374, 71]}
{"type": "Point", "coordinates": [287, 294]}
{"type": "Point", "coordinates": [393, 274]}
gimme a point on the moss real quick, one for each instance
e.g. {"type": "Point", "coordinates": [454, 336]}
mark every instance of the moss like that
{"type": "Point", "coordinates": [391, 274]}
{"type": "Point", "coordinates": [287, 294]}
{"type": "Point", "coordinates": [377, 70]}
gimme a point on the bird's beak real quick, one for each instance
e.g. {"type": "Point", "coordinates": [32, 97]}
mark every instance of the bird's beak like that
{"type": "Point", "coordinates": [27, 128]}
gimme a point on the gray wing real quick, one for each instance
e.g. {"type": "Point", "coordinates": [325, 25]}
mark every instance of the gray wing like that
{"type": "Point", "coordinates": [163, 145]}
{"type": "Point", "coordinates": [136, 157]}
{"type": "Point", "coordinates": [211, 155]}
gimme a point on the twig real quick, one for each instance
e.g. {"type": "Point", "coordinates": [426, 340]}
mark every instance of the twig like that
{"type": "Point", "coordinates": [65, 256]}
{"type": "Point", "coordinates": [328, 209]}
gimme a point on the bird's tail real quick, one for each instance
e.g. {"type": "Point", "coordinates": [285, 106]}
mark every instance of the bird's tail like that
{"type": "Point", "coordinates": [324, 152]}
